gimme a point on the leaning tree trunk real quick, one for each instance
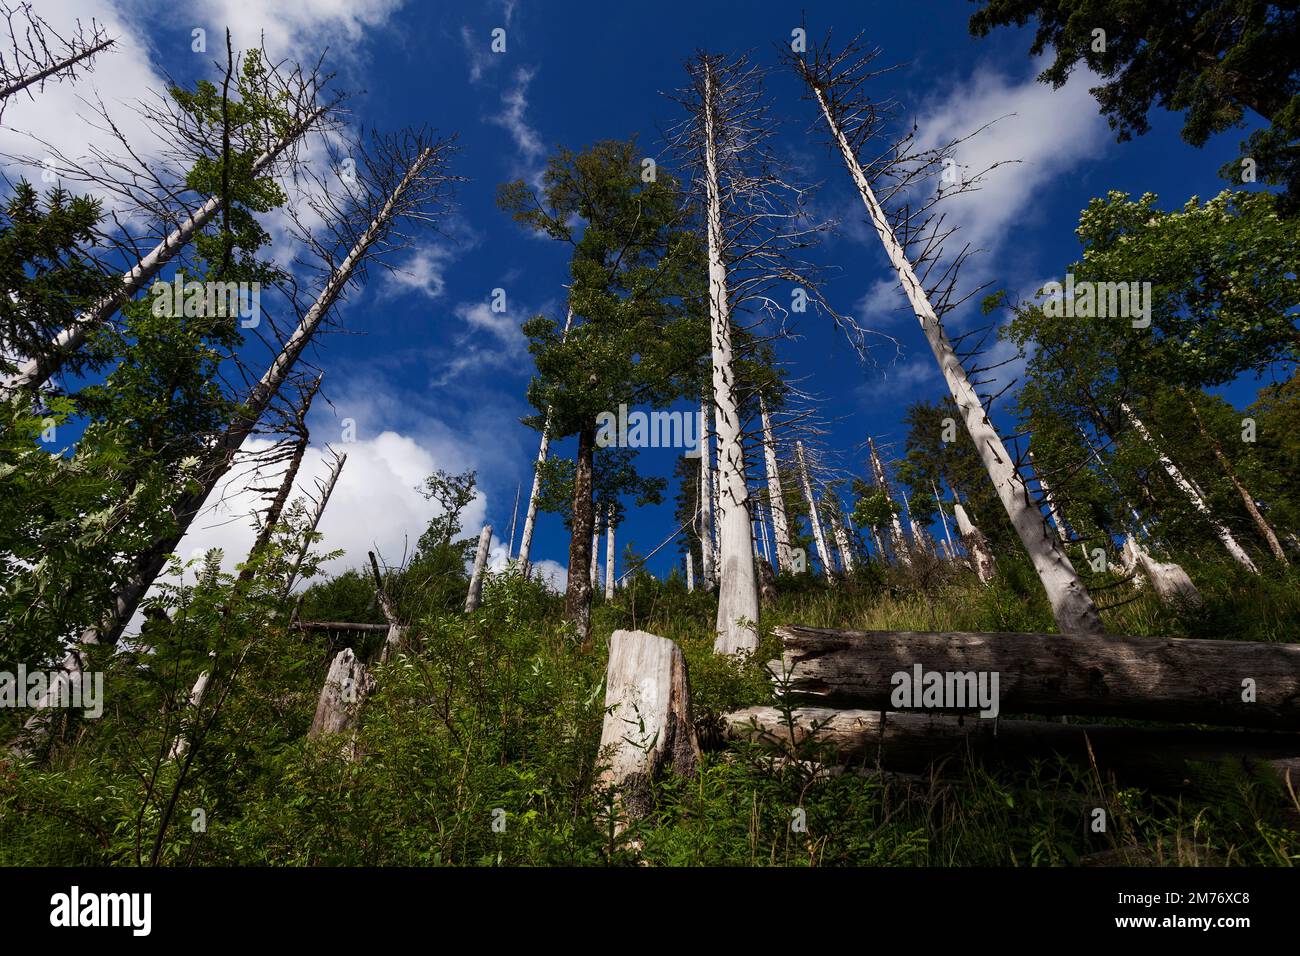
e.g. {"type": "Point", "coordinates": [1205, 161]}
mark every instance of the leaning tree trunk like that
{"type": "Point", "coordinates": [1192, 495]}
{"type": "Point", "coordinates": [1265, 530]}
{"type": "Point", "coordinates": [291, 579]}
{"type": "Point", "coordinates": [842, 544]}
{"type": "Point", "coordinates": [23, 82]}
{"type": "Point", "coordinates": [1072, 606]}
{"type": "Point", "coordinates": [577, 594]}
{"type": "Point", "coordinates": [37, 371]}
{"type": "Point", "coordinates": [819, 537]}
{"type": "Point", "coordinates": [706, 498]}
{"type": "Point", "coordinates": [218, 460]}
{"type": "Point", "coordinates": [530, 518]}
{"type": "Point", "coordinates": [780, 526]}
{"type": "Point", "coordinates": [737, 582]}
{"type": "Point", "coordinates": [938, 503]}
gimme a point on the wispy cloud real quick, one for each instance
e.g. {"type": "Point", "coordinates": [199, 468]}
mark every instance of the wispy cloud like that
{"type": "Point", "coordinates": [513, 119]}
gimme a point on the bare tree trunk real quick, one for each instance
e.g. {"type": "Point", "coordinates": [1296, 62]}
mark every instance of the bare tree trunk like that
{"type": "Point", "coordinates": [37, 371]}
{"type": "Point", "coordinates": [842, 544]}
{"type": "Point", "coordinates": [514, 515]}
{"type": "Point", "coordinates": [938, 503]}
{"type": "Point", "coordinates": [609, 553]}
{"type": "Point", "coordinates": [1058, 521]}
{"type": "Point", "coordinates": [706, 498]}
{"type": "Point", "coordinates": [1170, 581]}
{"type": "Point", "coordinates": [347, 686]}
{"type": "Point", "coordinates": [690, 572]}
{"type": "Point", "coordinates": [897, 540]}
{"type": "Point", "coordinates": [582, 548]}
{"type": "Point", "coordinates": [530, 518]}
{"type": "Point", "coordinates": [977, 545]}
{"type": "Point", "coordinates": [780, 526]}
{"type": "Point", "coordinates": [475, 594]}
{"type": "Point", "coordinates": [1072, 606]}
{"type": "Point", "coordinates": [328, 490]}
{"type": "Point", "coordinates": [23, 82]}
{"type": "Point", "coordinates": [819, 538]}
{"type": "Point", "coordinates": [197, 694]}
{"type": "Point", "coordinates": [1246, 499]}
{"type": "Point", "coordinates": [217, 462]}
{"type": "Point", "coordinates": [737, 584]}
{"type": "Point", "coordinates": [1192, 495]}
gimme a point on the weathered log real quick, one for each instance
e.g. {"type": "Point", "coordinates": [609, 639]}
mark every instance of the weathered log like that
{"type": "Point", "coordinates": [912, 742]}
{"type": "Point", "coordinates": [648, 727]}
{"type": "Point", "coordinates": [346, 687]}
{"type": "Point", "coordinates": [1233, 683]}
{"type": "Point", "coordinates": [338, 626]}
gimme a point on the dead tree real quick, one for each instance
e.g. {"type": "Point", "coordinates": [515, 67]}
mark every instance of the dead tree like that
{"type": "Point", "coordinates": [35, 52]}
{"type": "Point", "coordinates": [324, 490]}
{"type": "Point", "coordinates": [530, 517]}
{"type": "Point", "coordinates": [836, 83]}
{"type": "Point", "coordinates": [475, 594]}
{"type": "Point", "coordinates": [411, 172]}
{"type": "Point", "coordinates": [775, 496]}
{"type": "Point", "coordinates": [814, 519]}
{"type": "Point", "coordinates": [161, 195]}
{"type": "Point", "coordinates": [897, 540]}
{"type": "Point", "coordinates": [705, 498]}
{"type": "Point", "coordinates": [1189, 491]}
{"type": "Point", "coordinates": [755, 224]}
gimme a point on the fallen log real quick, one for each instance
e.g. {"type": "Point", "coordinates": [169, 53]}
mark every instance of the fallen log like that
{"type": "Point", "coordinates": [1232, 683]}
{"type": "Point", "coordinates": [338, 626]}
{"type": "Point", "coordinates": [912, 742]}
{"type": "Point", "coordinates": [648, 727]}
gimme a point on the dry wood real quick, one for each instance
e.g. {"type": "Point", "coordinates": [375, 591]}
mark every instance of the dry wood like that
{"type": "Point", "coordinates": [648, 727]}
{"type": "Point", "coordinates": [346, 687]}
{"type": "Point", "coordinates": [1153, 678]}
{"type": "Point", "coordinates": [913, 742]}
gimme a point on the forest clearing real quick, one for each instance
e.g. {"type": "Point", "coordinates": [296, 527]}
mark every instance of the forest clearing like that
{"type": "Point", "coordinates": [800, 454]}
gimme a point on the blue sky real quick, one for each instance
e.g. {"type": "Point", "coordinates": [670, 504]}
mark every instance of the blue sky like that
{"type": "Point", "coordinates": [432, 378]}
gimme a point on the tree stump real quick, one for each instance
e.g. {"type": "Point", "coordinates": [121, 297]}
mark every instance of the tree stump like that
{"type": "Point", "coordinates": [648, 727]}
{"type": "Point", "coordinates": [346, 687]}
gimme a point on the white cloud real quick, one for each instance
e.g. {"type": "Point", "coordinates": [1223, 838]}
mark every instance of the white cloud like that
{"type": "Point", "coordinates": [511, 118]}
{"type": "Point", "coordinates": [302, 28]}
{"type": "Point", "coordinates": [1049, 131]}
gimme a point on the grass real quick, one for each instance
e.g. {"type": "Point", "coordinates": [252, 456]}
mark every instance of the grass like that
{"type": "Point", "coordinates": [480, 748]}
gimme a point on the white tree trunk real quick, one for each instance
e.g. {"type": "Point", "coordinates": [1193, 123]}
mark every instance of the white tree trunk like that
{"type": "Point", "coordinates": [819, 538]}
{"type": "Point", "coordinates": [938, 503]}
{"type": "Point", "coordinates": [347, 685]}
{"type": "Point", "coordinates": [1072, 606]}
{"type": "Point", "coordinates": [609, 554]}
{"type": "Point", "coordinates": [37, 371]}
{"type": "Point", "coordinates": [530, 518]}
{"type": "Point", "coordinates": [706, 498]}
{"type": "Point", "coordinates": [780, 525]}
{"type": "Point", "coordinates": [335, 470]}
{"type": "Point", "coordinates": [594, 576]}
{"type": "Point", "coordinates": [1058, 522]}
{"type": "Point", "coordinates": [197, 694]}
{"type": "Point", "coordinates": [737, 584]}
{"type": "Point", "coordinates": [648, 724]}
{"type": "Point", "coordinates": [842, 545]}
{"type": "Point", "coordinates": [475, 594]}
{"type": "Point", "coordinates": [1170, 581]}
{"type": "Point", "coordinates": [977, 545]}
{"type": "Point", "coordinates": [690, 572]}
{"type": "Point", "coordinates": [897, 540]}
{"type": "Point", "coordinates": [217, 461]}
{"type": "Point", "coordinates": [1194, 496]}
